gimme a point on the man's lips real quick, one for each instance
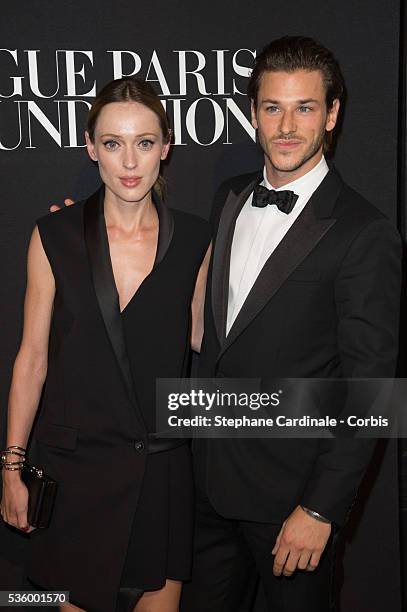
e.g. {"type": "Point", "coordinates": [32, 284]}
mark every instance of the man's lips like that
{"type": "Point", "coordinates": [286, 144]}
{"type": "Point", "coordinates": [130, 181]}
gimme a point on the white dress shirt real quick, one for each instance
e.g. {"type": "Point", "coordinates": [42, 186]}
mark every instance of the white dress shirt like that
{"type": "Point", "coordinates": [259, 231]}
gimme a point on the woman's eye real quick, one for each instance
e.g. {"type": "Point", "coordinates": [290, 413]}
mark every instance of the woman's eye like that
{"type": "Point", "coordinates": [111, 145]}
{"type": "Point", "coordinates": [146, 144]}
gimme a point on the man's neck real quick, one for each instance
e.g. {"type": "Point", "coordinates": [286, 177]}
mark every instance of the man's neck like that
{"type": "Point", "coordinates": [278, 178]}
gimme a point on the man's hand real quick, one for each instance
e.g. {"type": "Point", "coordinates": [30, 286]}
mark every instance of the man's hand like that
{"type": "Point", "coordinates": [300, 543]}
{"type": "Point", "coordinates": [55, 207]}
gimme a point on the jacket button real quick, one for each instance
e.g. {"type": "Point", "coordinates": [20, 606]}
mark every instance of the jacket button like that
{"type": "Point", "coordinates": [139, 446]}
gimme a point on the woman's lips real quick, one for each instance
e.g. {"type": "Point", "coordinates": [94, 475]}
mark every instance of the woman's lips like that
{"type": "Point", "coordinates": [130, 181]}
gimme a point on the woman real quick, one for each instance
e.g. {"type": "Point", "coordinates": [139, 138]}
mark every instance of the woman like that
{"type": "Point", "coordinates": [110, 284]}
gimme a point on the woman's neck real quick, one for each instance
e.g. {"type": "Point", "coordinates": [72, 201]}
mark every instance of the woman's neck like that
{"type": "Point", "coordinates": [130, 216]}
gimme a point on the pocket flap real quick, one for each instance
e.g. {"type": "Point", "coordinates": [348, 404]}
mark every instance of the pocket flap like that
{"type": "Point", "coordinates": [60, 436]}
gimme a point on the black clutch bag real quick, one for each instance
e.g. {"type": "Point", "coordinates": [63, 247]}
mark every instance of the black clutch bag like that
{"type": "Point", "coordinates": [41, 495]}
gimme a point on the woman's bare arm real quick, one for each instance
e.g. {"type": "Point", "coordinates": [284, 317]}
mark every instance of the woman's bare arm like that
{"type": "Point", "coordinates": [30, 366]}
{"type": "Point", "coordinates": [198, 302]}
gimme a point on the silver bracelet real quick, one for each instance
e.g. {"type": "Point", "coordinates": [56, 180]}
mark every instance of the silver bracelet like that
{"type": "Point", "coordinates": [8, 451]}
{"type": "Point", "coordinates": [19, 448]}
{"type": "Point", "coordinates": [11, 459]}
{"type": "Point", "coordinates": [316, 515]}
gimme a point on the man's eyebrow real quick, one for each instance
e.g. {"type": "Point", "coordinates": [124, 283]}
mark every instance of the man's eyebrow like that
{"type": "Point", "coordinates": [306, 101]}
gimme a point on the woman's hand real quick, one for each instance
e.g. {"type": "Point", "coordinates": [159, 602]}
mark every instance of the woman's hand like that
{"type": "Point", "coordinates": [14, 502]}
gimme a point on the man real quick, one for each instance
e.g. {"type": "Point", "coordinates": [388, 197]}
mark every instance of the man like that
{"type": "Point", "coordinates": [304, 282]}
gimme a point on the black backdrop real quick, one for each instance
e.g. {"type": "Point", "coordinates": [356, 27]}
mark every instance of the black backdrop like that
{"type": "Point", "coordinates": [42, 111]}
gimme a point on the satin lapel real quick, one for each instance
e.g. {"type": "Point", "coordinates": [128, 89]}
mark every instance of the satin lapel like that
{"type": "Point", "coordinates": [97, 245]}
{"type": "Point", "coordinates": [221, 257]}
{"type": "Point", "coordinates": [302, 237]}
{"type": "Point", "coordinates": [166, 229]}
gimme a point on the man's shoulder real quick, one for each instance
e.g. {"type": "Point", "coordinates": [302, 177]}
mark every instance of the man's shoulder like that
{"type": "Point", "coordinates": [238, 183]}
{"type": "Point", "coordinates": [235, 184]}
{"type": "Point", "coordinates": [354, 205]}
{"type": "Point", "coordinates": [357, 218]}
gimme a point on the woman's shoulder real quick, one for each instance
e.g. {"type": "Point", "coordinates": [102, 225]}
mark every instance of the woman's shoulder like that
{"type": "Point", "coordinates": [191, 222]}
{"type": "Point", "coordinates": [59, 219]}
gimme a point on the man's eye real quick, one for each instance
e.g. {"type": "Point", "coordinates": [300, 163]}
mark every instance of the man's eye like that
{"type": "Point", "coordinates": [146, 144]}
{"type": "Point", "coordinates": [111, 145]}
{"type": "Point", "coordinates": [304, 109]}
{"type": "Point", "coordinates": [272, 109]}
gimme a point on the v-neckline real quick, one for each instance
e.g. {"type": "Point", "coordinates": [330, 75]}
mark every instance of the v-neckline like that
{"type": "Point", "coordinates": [97, 243]}
{"type": "Point", "coordinates": [102, 279]}
{"type": "Point", "coordinates": [155, 262]}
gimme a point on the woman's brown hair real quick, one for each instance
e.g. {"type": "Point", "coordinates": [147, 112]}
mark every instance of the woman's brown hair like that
{"type": "Point", "coordinates": [131, 89]}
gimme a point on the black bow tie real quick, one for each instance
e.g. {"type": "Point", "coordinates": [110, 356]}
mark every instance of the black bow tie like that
{"type": "Point", "coordinates": [284, 200]}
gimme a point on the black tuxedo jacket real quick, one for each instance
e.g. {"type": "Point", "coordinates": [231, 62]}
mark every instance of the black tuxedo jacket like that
{"type": "Point", "coordinates": [325, 304]}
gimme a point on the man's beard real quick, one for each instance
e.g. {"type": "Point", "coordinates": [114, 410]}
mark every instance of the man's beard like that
{"type": "Point", "coordinates": [315, 147]}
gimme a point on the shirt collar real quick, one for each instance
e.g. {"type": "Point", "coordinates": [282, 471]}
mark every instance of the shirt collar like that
{"type": "Point", "coordinates": [305, 183]}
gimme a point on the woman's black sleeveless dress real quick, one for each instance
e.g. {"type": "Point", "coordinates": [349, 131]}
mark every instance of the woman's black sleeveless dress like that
{"type": "Point", "coordinates": [160, 545]}
{"type": "Point", "coordinates": [161, 538]}
{"type": "Point", "coordinates": [123, 517]}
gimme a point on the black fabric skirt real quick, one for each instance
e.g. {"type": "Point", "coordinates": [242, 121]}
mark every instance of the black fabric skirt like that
{"type": "Point", "coordinates": [160, 543]}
